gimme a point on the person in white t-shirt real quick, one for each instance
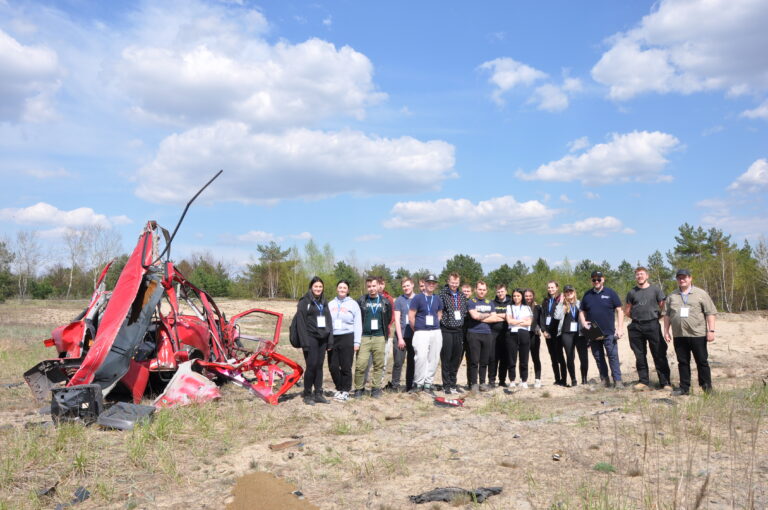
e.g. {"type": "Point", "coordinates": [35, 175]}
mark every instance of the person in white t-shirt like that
{"type": "Point", "coordinates": [519, 318]}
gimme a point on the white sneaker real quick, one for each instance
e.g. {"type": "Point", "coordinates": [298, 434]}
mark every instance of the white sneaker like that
{"type": "Point", "coordinates": [340, 396]}
{"type": "Point", "coordinates": [537, 383]}
{"type": "Point", "coordinates": [511, 384]}
{"type": "Point", "coordinates": [336, 395]}
{"type": "Point", "coordinates": [524, 385]}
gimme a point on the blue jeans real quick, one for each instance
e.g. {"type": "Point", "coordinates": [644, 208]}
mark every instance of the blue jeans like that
{"type": "Point", "coordinates": [607, 348]}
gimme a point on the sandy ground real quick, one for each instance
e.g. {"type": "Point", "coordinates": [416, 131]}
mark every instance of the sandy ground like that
{"type": "Point", "coordinates": [540, 445]}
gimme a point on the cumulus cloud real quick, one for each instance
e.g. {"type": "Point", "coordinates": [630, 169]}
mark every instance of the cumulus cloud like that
{"type": "Point", "coordinates": [299, 163]}
{"type": "Point", "coordinates": [256, 236]}
{"type": "Point", "coordinates": [755, 179]}
{"type": "Point", "coordinates": [761, 112]}
{"type": "Point", "coordinates": [578, 144]}
{"type": "Point", "coordinates": [635, 156]}
{"type": "Point", "coordinates": [48, 215]}
{"type": "Point", "coordinates": [29, 76]}
{"type": "Point", "coordinates": [598, 227]}
{"type": "Point", "coordinates": [687, 46]}
{"type": "Point", "coordinates": [507, 73]}
{"type": "Point", "coordinates": [208, 63]}
{"type": "Point", "coordinates": [500, 213]}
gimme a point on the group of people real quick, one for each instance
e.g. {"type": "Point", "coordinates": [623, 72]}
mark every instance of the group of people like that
{"type": "Point", "coordinates": [498, 336]}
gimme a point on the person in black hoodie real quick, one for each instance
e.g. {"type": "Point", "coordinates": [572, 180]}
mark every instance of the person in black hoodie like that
{"type": "Point", "coordinates": [315, 328]}
{"type": "Point", "coordinates": [497, 360]}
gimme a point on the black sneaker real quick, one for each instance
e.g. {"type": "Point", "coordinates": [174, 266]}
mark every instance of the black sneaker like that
{"type": "Point", "coordinates": [376, 393]}
{"type": "Point", "coordinates": [502, 384]}
{"type": "Point", "coordinates": [358, 394]}
{"type": "Point", "coordinates": [392, 388]}
{"type": "Point", "coordinates": [320, 398]}
{"type": "Point", "coordinates": [484, 388]}
{"type": "Point", "coordinates": [309, 400]}
{"type": "Point", "coordinates": [679, 392]}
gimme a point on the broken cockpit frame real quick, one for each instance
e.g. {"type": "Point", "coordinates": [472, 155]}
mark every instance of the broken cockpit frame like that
{"type": "Point", "coordinates": [154, 322]}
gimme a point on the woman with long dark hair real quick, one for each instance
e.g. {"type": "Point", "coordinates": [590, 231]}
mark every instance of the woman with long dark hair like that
{"type": "Point", "coordinates": [549, 328]}
{"type": "Point", "coordinates": [347, 329]}
{"type": "Point", "coordinates": [315, 328]}
{"type": "Point", "coordinates": [519, 318]}
{"type": "Point", "coordinates": [530, 300]}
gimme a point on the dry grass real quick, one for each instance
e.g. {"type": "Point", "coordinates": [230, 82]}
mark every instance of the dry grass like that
{"type": "Point", "coordinates": [615, 449]}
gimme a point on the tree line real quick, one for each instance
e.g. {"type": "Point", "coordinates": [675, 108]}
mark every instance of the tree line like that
{"type": "Point", "coordinates": [735, 276]}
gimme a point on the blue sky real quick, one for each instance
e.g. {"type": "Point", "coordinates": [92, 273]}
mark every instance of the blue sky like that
{"type": "Point", "coordinates": [398, 132]}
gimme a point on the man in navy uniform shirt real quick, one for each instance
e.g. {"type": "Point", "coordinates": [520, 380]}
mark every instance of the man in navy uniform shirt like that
{"type": "Point", "coordinates": [601, 306]}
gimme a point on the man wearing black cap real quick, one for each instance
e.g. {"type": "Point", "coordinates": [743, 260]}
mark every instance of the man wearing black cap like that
{"type": "Point", "coordinates": [601, 306]}
{"type": "Point", "coordinates": [643, 305]}
{"type": "Point", "coordinates": [424, 316]}
{"type": "Point", "coordinates": [691, 314]}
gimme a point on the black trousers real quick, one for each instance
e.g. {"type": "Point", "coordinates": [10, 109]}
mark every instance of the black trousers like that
{"type": "Point", "coordinates": [450, 355]}
{"type": "Point", "coordinates": [399, 358]}
{"type": "Point", "coordinates": [340, 360]}
{"type": "Point", "coordinates": [647, 335]}
{"type": "Point", "coordinates": [574, 343]}
{"type": "Point", "coordinates": [314, 357]}
{"type": "Point", "coordinates": [518, 344]}
{"type": "Point", "coordinates": [497, 359]}
{"type": "Point", "coordinates": [479, 353]}
{"type": "Point", "coordinates": [535, 356]}
{"type": "Point", "coordinates": [555, 348]}
{"type": "Point", "coordinates": [684, 347]}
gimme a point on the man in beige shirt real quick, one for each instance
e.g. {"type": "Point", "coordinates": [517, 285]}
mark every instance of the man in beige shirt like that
{"type": "Point", "coordinates": [690, 313]}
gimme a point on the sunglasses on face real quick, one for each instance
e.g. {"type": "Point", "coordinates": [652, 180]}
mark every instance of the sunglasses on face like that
{"type": "Point", "coordinates": [595, 280]}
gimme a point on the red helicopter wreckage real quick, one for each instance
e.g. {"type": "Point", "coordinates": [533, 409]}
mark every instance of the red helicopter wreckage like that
{"type": "Point", "coordinates": [155, 332]}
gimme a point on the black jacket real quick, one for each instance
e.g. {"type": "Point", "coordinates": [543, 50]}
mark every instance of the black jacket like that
{"type": "Point", "coordinates": [386, 312]}
{"type": "Point", "coordinates": [448, 322]}
{"type": "Point", "coordinates": [306, 322]}
{"type": "Point", "coordinates": [552, 328]}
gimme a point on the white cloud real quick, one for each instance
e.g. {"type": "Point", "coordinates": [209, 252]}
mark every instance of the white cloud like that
{"type": "Point", "coordinates": [636, 156]}
{"type": "Point", "coordinates": [761, 112]}
{"type": "Point", "coordinates": [507, 73]}
{"type": "Point", "coordinates": [328, 21]}
{"type": "Point", "coordinates": [28, 80]}
{"type": "Point", "coordinates": [754, 179]}
{"type": "Point", "coordinates": [688, 46]}
{"type": "Point", "coordinates": [565, 198]}
{"type": "Point", "coordinates": [591, 195]}
{"type": "Point", "coordinates": [204, 63]}
{"type": "Point", "coordinates": [500, 213]}
{"type": "Point", "coordinates": [598, 227]}
{"type": "Point", "coordinates": [550, 98]}
{"type": "Point", "coordinates": [46, 214]}
{"type": "Point", "coordinates": [301, 236]}
{"type": "Point", "coordinates": [256, 236]}
{"type": "Point", "coordinates": [578, 144]}
{"type": "Point", "coordinates": [749, 222]}
{"type": "Point", "coordinates": [367, 237]}
{"type": "Point", "coordinates": [298, 163]}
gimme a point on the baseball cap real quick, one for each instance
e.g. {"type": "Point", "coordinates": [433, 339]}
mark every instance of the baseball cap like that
{"type": "Point", "coordinates": [683, 272]}
{"type": "Point", "coordinates": [567, 288]}
{"type": "Point", "coordinates": [430, 278]}
{"type": "Point", "coordinates": [597, 274]}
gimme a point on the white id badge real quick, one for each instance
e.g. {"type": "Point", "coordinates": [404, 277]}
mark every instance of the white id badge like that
{"type": "Point", "coordinates": [549, 319]}
{"type": "Point", "coordinates": [320, 321]}
{"type": "Point", "coordinates": [574, 326]}
{"type": "Point", "coordinates": [337, 324]}
{"type": "Point", "coordinates": [684, 311]}
{"type": "Point", "coordinates": [456, 315]}
{"type": "Point", "coordinates": [374, 323]}
{"type": "Point", "coordinates": [430, 320]}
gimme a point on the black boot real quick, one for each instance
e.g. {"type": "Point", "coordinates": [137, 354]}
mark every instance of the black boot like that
{"type": "Point", "coordinates": [308, 399]}
{"type": "Point", "coordinates": [320, 398]}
